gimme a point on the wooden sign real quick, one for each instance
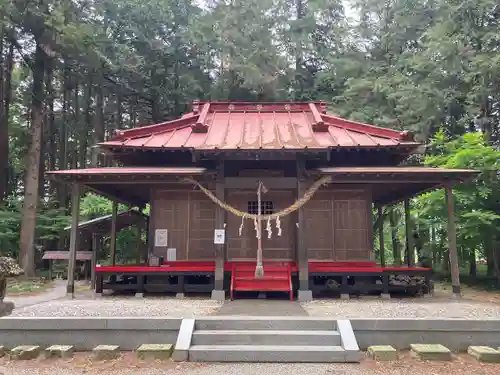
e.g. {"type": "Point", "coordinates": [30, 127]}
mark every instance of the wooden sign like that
{"type": "Point", "coordinates": [161, 238]}
{"type": "Point", "coordinates": [219, 236]}
{"type": "Point", "coordinates": [172, 254]}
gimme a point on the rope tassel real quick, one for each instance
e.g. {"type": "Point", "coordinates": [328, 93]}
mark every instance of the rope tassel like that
{"type": "Point", "coordinates": [241, 226]}
{"type": "Point", "coordinates": [259, 269]}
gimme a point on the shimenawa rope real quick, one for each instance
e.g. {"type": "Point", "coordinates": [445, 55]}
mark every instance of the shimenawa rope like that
{"type": "Point", "coordinates": [259, 270]}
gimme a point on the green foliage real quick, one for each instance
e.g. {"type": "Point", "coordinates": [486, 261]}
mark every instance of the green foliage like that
{"type": "Point", "coordinates": [49, 224]}
{"type": "Point", "coordinates": [476, 202]}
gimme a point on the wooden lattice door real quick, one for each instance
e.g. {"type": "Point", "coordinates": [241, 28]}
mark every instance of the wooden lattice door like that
{"type": "Point", "coordinates": [244, 247]}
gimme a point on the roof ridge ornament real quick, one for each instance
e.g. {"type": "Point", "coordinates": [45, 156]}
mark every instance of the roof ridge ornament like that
{"type": "Point", "coordinates": [318, 124]}
{"type": "Point", "coordinates": [200, 125]}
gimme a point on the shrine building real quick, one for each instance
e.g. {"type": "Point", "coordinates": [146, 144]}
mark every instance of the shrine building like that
{"type": "Point", "coordinates": [290, 179]}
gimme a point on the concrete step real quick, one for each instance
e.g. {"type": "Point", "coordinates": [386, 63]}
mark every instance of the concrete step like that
{"type": "Point", "coordinates": [267, 353]}
{"type": "Point", "coordinates": [265, 337]}
{"type": "Point", "coordinates": [265, 323]}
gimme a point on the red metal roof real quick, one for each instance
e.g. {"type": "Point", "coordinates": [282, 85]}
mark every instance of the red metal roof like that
{"type": "Point", "coordinates": [250, 126]}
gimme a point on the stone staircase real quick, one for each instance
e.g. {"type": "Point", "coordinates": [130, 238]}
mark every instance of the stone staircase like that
{"type": "Point", "coordinates": [272, 339]}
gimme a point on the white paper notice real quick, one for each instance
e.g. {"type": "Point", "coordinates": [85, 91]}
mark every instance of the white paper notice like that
{"type": "Point", "coordinates": [172, 254]}
{"type": "Point", "coordinates": [161, 237]}
{"type": "Point", "coordinates": [219, 236]}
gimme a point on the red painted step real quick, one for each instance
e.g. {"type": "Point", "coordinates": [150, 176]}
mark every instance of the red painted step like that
{"type": "Point", "coordinates": [277, 278]}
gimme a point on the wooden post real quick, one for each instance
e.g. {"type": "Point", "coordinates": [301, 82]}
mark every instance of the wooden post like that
{"type": "Point", "coordinates": [220, 218]}
{"type": "Point", "coordinates": [50, 269]}
{"type": "Point", "coordinates": [452, 243]}
{"type": "Point", "coordinates": [381, 235]}
{"type": "Point", "coordinates": [139, 244]}
{"type": "Point", "coordinates": [304, 293]}
{"type": "Point", "coordinates": [93, 260]}
{"type": "Point", "coordinates": [410, 251]}
{"type": "Point", "coordinates": [112, 250]}
{"type": "Point", "coordinates": [73, 239]}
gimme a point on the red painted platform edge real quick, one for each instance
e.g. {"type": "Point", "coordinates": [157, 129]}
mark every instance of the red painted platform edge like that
{"type": "Point", "coordinates": [200, 266]}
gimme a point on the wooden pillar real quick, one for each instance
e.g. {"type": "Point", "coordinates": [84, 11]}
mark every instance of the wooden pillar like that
{"type": "Point", "coordinates": [139, 244]}
{"type": "Point", "coordinates": [50, 269]}
{"type": "Point", "coordinates": [93, 260]}
{"type": "Point", "coordinates": [73, 239]}
{"type": "Point", "coordinates": [410, 251]}
{"type": "Point", "coordinates": [220, 253]}
{"type": "Point", "coordinates": [381, 235]}
{"type": "Point", "coordinates": [304, 293]}
{"type": "Point", "coordinates": [452, 243]}
{"type": "Point", "coordinates": [112, 246]}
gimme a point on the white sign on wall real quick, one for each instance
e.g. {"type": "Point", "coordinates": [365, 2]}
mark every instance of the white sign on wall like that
{"type": "Point", "coordinates": [161, 237]}
{"type": "Point", "coordinates": [219, 236]}
{"type": "Point", "coordinates": [172, 254]}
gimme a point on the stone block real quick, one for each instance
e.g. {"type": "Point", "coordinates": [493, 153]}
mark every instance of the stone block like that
{"type": "Point", "coordinates": [154, 351]}
{"type": "Point", "coordinates": [219, 295]}
{"type": "Point", "coordinates": [383, 353]}
{"type": "Point", "coordinates": [305, 295]}
{"type": "Point", "coordinates": [2, 351]}
{"type": "Point", "coordinates": [104, 352]}
{"type": "Point", "coordinates": [59, 351]}
{"type": "Point", "coordinates": [430, 352]}
{"type": "Point", "coordinates": [484, 354]}
{"type": "Point", "coordinates": [24, 352]}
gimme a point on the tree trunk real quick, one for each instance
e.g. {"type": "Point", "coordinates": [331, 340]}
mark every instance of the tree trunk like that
{"type": "Point", "coordinates": [50, 125]}
{"type": "Point", "coordinates": [84, 138]}
{"type": "Point", "coordinates": [30, 206]}
{"type": "Point", "coordinates": [472, 263]}
{"type": "Point", "coordinates": [299, 8]}
{"type": "Point", "coordinates": [396, 249]}
{"type": "Point", "coordinates": [5, 87]}
{"type": "Point", "coordinates": [76, 124]}
{"type": "Point", "coordinates": [99, 123]}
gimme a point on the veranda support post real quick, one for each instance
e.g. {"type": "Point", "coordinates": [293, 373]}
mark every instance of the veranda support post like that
{"type": "Point", "coordinates": [218, 293]}
{"type": "Point", "coordinates": [410, 251]}
{"type": "Point", "coordinates": [381, 235]}
{"type": "Point", "coordinates": [452, 243]}
{"type": "Point", "coordinates": [113, 233]}
{"type": "Point", "coordinates": [95, 245]}
{"type": "Point", "coordinates": [73, 239]}
{"type": "Point", "coordinates": [304, 293]}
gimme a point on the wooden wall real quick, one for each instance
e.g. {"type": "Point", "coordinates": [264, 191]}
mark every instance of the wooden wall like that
{"type": "Point", "coordinates": [339, 224]}
{"type": "Point", "coordinates": [244, 247]}
{"type": "Point", "coordinates": [189, 217]}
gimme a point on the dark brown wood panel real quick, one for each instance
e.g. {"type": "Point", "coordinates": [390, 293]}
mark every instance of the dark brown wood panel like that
{"type": "Point", "coordinates": [244, 247]}
{"type": "Point", "coordinates": [319, 224]}
{"type": "Point", "coordinates": [201, 227]}
{"type": "Point", "coordinates": [339, 225]}
{"type": "Point", "coordinates": [189, 217]}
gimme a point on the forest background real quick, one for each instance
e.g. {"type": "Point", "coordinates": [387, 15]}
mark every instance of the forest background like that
{"type": "Point", "coordinates": [74, 71]}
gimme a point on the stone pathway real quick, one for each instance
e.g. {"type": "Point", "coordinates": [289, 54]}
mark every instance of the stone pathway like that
{"type": "Point", "coordinates": [262, 307]}
{"type": "Point", "coordinates": [58, 291]}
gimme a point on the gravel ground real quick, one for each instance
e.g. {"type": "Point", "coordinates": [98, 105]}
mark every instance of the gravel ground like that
{"type": "Point", "coordinates": [402, 309]}
{"type": "Point", "coordinates": [128, 307]}
{"type": "Point", "coordinates": [363, 308]}
{"type": "Point", "coordinates": [128, 365]}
